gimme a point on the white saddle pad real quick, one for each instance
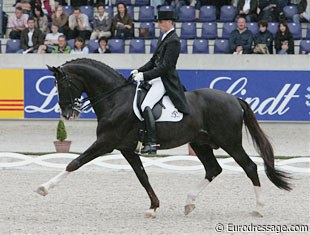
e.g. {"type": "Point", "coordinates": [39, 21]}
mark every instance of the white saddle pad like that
{"type": "Point", "coordinates": [169, 111]}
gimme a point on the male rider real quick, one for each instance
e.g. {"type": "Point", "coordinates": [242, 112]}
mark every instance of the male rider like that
{"type": "Point", "coordinates": [160, 72]}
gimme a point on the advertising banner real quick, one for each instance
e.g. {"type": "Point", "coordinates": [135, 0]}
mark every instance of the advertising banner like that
{"type": "Point", "coordinates": [12, 93]}
{"type": "Point", "coordinates": [273, 95]}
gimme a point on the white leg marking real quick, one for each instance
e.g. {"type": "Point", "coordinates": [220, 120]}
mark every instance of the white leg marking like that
{"type": "Point", "coordinates": [150, 213]}
{"type": "Point", "coordinates": [43, 188]}
{"type": "Point", "coordinates": [193, 194]}
{"type": "Point", "coordinates": [259, 202]}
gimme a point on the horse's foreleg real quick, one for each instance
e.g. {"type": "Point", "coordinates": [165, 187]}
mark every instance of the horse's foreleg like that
{"type": "Point", "coordinates": [91, 153]}
{"type": "Point", "coordinates": [212, 167]}
{"type": "Point", "coordinates": [136, 164]}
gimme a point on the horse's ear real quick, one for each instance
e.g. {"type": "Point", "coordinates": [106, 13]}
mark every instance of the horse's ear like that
{"type": "Point", "coordinates": [52, 69]}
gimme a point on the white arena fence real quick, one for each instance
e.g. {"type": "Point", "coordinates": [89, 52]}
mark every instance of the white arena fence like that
{"type": "Point", "coordinates": [117, 162]}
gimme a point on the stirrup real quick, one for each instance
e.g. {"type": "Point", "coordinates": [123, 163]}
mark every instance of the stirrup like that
{"type": "Point", "coordinates": [149, 149]}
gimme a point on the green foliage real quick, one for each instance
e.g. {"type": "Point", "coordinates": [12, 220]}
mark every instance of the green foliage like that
{"type": "Point", "coordinates": [61, 131]}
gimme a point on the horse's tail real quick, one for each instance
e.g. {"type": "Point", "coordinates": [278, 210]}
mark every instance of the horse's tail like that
{"type": "Point", "coordinates": [264, 148]}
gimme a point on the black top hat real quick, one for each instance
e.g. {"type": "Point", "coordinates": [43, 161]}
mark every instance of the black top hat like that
{"type": "Point", "coordinates": [166, 15]}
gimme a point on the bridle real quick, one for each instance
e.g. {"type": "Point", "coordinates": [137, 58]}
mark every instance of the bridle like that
{"type": "Point", "coordinates": [77, 103]}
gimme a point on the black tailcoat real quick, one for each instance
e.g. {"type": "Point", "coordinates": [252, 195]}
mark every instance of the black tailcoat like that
{"type": "Point", "coordinates": [163, 64]}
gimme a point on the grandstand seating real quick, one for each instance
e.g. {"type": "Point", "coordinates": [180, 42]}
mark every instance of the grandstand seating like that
{"type": "Point", "coordinates": [304, 46]}
{"type": "Point", "coordinates": [188, 30]}
{"type": "Point", "coordinates": [127, 2]}
{"type": "Point", "coordinates": [92, 45]}
{"type": "Point", "coordinates": [209, 30]}
{"type": "Point", "coordinates": [207, 14]}
{"type": "Point", "coordinates": [228, 27]}
{"type": "Point", "coordinates": [150, 26]}
{"type": "Point", "coordinates": [71, 43]}
{"type": "Point", "coordinates": [183, 46]}
{"type": "Point", "coordinates": [109, 9]}
{"type": "Point", "coordinates": [137, 46]}
{"type": "Point", "coordinates": [68, 9]}
{"type": "Point", "coordinates": [253, 27]}
{"type": "Point", "coordinates": [12, 46]}
{"type": "Point", "coordinates": [200, 46]}
{"type": "Point", "coordinates": [308, 31]}
{"type": "Point", "coordinates": [289, 11]}
{"type": "Point", "coordinates": [273, 28]}
{"type": "Point", "coordinates": [228, 13]}
{"type": "Point", "coordinates": [142, 2]}
{"type": "Point", "coordinates": [89, 11]}
{"type": "Point", "coordinates": [146, 14]}
{"type": "Point", "coordinates": [187, 14]}
{"type": "Point", "coordinates": [130, 11]}
{"type": "Point", "coordinates": [295, 30]}
{"type": "Point", "coordinates": [221, 46]}
{"type": "Point", "coordinates": [116, 45]}
{"type": "Point", "coordinates": [167, 8]}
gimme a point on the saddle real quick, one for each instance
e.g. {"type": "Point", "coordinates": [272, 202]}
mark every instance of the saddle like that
{"type": "Point", "coordinates": [163, 110]}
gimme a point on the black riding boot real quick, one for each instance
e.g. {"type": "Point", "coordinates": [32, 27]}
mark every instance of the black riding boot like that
{"type": "Point", "coordinates": [150, 145]}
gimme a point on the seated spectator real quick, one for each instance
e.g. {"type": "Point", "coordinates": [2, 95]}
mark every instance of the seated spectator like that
{"type": "Point", "coordinates": [268, 10]}
{"type": "Point", "coordinates": [79, 46]}
{"type": "Point", "coordinates": [263, 40]}
{"type": "Point", "coordinates": [122, 24]}
{"type": "Point", "coordinates": [156, 4]}
{"type": "Point", "coordinates": [50, 41]}
{"type": "Point", "coordinates": [102, 24]}
{"type": "Point", "coordinates": [241, 39]}
{"type": "Point", "coordinates": [41, 20]}
{"type": "Point", "coordinates": [79, 25]}
{"type": "Point", "coordinates": [103, 46]}
{"type": "Point", "coordinates": [48, 6]}
{"type": "Point", "coordinates": [17, 23]}
{"type": "Point", "coordinates": [303, 12]}
{"type": "Point", "coordinates": [284, 42]}
{"type": "Point", "coordinates": [60, 19]}
{"type": "Point", "coordinates": [26, 5]}
{"type": "Point", "coordinates": [62, 47]}
{"type": "Point", "coordinates": [31, 38]}
{"type": "Point", "coordinates": [247, 9]}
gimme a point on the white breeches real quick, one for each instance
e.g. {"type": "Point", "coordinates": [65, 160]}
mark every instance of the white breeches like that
{"type": "Point", "coordinates": [155, 93]}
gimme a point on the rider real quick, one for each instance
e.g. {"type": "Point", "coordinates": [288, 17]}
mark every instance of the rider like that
{"type": "Point", "coordinates": [160, 72]}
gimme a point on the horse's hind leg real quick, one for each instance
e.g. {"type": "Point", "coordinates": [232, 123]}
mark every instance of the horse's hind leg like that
{"type": "Point", "coordinates": [250, 169]}
{"type": "Point", "coordinates": [136, 164]}
{"type": "Point", "coordinates": [212, 167]}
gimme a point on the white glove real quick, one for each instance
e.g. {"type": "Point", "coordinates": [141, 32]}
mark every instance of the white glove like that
{"type": "Point", "coordinates": [138, 77]}
{"type": "Point", "coordinates": [133, 73]}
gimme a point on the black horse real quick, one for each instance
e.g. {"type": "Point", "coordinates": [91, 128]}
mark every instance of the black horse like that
{"type": "Point", "coordinates": [215, 121]}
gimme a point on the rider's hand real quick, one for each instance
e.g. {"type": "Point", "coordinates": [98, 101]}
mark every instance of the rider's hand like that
{"type": "Point", "coordinates": [138, 77]}
{"type": "Point", "coordinates": [133, 73]}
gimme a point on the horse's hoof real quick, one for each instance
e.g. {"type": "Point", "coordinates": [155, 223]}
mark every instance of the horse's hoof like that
{"type": "Point", "coordinates": [258, 210]}
{"type": "Point", "coordinates": [42, 190]}
{"type": "Point", "coordinates": [150, 213]}
{"type": "Point", "coordinates": [257, 214]}
{"type": "Point", "coordinates": [189, 208]}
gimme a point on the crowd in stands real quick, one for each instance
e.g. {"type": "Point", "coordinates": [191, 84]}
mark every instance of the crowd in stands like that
{"type": "Point", "coordinates": [46, 26]}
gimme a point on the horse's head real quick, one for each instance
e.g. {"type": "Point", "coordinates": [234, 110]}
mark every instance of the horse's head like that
{"type": "Point", "coordinates": [69, 93]}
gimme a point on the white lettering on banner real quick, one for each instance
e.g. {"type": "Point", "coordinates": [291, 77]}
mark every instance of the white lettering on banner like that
{"type": "Point", "coordinates": [49, 96]}
{"type": "Point", "coordinates": [273, 105]}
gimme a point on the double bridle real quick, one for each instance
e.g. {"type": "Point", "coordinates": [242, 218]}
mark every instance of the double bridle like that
{"type": "Point", "coordinates": [77, 103]}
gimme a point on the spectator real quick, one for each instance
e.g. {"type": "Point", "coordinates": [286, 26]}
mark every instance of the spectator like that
{"type": "Point", "coordinates": [263, 40]}
{"type": "Point", "coordinates": [31, 38]}
{"type": "Point", "coordinates": [17, 23]}
{"type": "Point", "coordinates": [156, 4]}
{"type": "Point", "coordinates": [247, 9]}
{"type": "Point", "coordinates": [51, 40]}
{"type": "Point", "coordinates": [103, 46]}
{"type": "Point", "coordinates": [62, 47]}
{"type": "Point", "coordinates": [79, 25]}
{"type": "Point", "coordinates": [122, 24]}
{"type": "Point", "coordinates": [284, 42]}
{"type": "Point", "coordinates": [303, 12]}
{"type": "Point", "coordinates": [268, 10]}
{"type": "Point", "coordinates": [60, 19]}
{"type": "Point", "coordinates": [241, 39]}
{"type": "Point", "coordinates": [41, 20]}
{"type": "Point", "coordinates": [79, 46]}
{"type": "Point", "coordinates": [26, 5]}
{"type": "Point", "coordinates": [48, 6]}
{"type": "Point", "coordinates": [102, 24]}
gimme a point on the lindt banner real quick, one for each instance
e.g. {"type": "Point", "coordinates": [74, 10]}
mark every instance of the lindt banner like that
{"type": "Point", "coordinates": [273, 95]}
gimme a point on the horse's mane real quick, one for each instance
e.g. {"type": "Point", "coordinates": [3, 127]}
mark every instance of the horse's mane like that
{"type": "Point", "coordinates": [97, 64]}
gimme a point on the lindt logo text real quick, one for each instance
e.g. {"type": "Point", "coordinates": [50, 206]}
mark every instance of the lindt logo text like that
{"type": "Point", "coordinates": [277, 104]}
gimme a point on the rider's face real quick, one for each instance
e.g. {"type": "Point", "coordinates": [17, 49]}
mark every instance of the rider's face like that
{"type": "Point", "coordinates": [165, 25]}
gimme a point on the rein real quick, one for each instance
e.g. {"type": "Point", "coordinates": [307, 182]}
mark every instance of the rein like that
{"type": "Point", "coordinates": [77, 102]}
